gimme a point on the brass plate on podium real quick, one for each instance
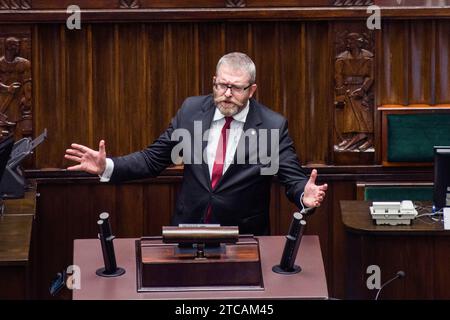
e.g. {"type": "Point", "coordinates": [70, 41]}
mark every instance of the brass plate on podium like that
{"type": "Point", "coordinates": [162, 267]}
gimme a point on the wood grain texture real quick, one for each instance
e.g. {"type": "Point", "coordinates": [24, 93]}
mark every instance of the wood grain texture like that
{"type": "Point", "coordinates": [95, 83]}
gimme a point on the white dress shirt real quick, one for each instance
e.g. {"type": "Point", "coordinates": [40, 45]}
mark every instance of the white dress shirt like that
{"type": "Point", "coordinates": [236, 129]}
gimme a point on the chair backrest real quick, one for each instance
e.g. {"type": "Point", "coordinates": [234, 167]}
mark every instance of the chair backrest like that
{"type": "Point", "coordinates": [395, 191]}
{"type": "Point", "coordinates": [410, 133]}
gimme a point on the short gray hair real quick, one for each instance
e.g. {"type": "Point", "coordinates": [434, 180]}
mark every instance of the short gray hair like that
{"type": "Point", "coordinates": [239, 60]}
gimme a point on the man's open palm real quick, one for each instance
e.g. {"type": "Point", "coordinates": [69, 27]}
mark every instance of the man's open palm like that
{"type": "Point", "coordinates": [89, 160]}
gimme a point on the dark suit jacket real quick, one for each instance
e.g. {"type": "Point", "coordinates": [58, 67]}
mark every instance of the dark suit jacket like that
{"type": "Point", "coordinates": [242, 195]}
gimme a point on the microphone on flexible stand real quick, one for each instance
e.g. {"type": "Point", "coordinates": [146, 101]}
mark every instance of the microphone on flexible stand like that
{"type": "Point", "coordinates": [293, 239]}
{"type": "Point", "coordinates": [106, 240]}
{"type": "Point", "coordinates": [398, 275]}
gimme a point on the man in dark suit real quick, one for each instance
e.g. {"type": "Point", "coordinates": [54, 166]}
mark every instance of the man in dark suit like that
{"type": "Point", "coordinates": [230, 145]}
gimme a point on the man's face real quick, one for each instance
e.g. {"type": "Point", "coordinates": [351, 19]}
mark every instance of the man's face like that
{"type": "Point", "coordinates": [231, 101]}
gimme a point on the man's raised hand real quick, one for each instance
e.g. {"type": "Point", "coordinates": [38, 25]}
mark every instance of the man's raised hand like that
{"type": "Point", "coordinates": [314, 194]}
{"type": "Point", "coordinates": [89, 160]}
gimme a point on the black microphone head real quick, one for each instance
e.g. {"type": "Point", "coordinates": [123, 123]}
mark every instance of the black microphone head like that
{"type": "Point", "coordinates": [401, 274]}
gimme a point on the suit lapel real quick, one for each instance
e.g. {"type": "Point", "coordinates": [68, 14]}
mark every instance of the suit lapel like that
{"type": "Point", "coordinates": [208, 113]}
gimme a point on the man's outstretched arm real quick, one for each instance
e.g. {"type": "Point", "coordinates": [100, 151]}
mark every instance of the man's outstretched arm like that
{"type": "Point", "coordinates": [299, 189]}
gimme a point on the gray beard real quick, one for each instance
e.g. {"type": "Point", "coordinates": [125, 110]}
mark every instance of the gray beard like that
{"type": "Point", "coordinates": [227, 112]}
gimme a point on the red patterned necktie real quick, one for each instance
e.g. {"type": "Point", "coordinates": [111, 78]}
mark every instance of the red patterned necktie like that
{"type": "Point", "coordinates": [219, 161]}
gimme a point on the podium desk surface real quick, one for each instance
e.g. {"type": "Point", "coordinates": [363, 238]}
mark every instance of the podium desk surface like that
{"type": "Point", "coordinates": [310, 283]}
{"type": "Point", "coordinates": [356, 218]}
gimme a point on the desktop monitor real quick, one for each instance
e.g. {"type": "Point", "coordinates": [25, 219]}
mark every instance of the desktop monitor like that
{"type": "Point", "coordinates": [441, 197]}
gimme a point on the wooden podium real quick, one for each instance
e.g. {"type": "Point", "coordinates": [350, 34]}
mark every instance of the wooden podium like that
{"type": "Point", "coordinates": [167, 267]}
{"type": "Point", "coordinates": [310, 283]}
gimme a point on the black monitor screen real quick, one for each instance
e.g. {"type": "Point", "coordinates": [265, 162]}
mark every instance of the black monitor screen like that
{"type": "Point", "coordinates": [441, 177]}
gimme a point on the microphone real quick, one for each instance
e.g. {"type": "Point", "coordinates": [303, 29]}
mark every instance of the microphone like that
{"type": "Point", "coordinates": [109, 256]}
{"type": "Point", "coordinates": [293, 239]}
{"type": "Point", "coordinates": [398, 275]}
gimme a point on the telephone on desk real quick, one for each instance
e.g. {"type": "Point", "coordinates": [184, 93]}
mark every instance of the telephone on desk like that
{"type": "Point", "coordinates": [393, 213]}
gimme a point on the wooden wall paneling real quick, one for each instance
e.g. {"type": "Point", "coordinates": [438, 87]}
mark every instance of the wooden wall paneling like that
{"type": "Point", "coordinates": [104, 87]}
{"type": "Point", "coordinates": [81, 217]}
{"type": "Point", "coordinates": [266, 56]}
{"type": "Point", "coordinates": [292, 81]}
{"type": "Point", "coordinates": [159, 204]}
{"type": "Point", "coordinates": [318, 88]}
{"type": "Point", "coordinates": [129, 210]}
{"type": "Point", "coordinates": [50, 111]}
{"type": "Point", "coordinates": [13, 279]}
{"type": "Point", "coordinates": [440, 271]}
{"type": "Point", "coordinates": [393, 63]}
{"type": "Point", "coordinates": [54, 252]}
{"type": "Point", "coordinates": [132, 66]}
{"type": "Point", "coordinates": [337, 273]}
{"type": "Point", "coordinates": [421, 66]}
{"type": "Point", "coordinates": [442, 67]}
{"type": "Point", "coordinates": [77, 75]}
{"type": "Point", "coordinates": [238, 37]}
{"type": "Point", "coordinates": [184, 61]}
{"type": "Point", "coordinates": [159, 98]}
{"type": "Point", "coordinates": [21, 31]}
{"type": "Point", "coordinates": [211, 49]}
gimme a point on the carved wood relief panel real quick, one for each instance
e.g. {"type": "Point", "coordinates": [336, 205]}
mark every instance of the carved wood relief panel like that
{"type": "Point", "coordinates": [342, 3]}
{"type": "Point", "coordinates": [235, 3]}
{"type": "Point", "coordinates": [129, 4]}
{"type": "Point", "coordinates": [15, 84]}
{"type": "Point", "coordinates": [15, 4]}
{"type": "Point", "coordinates": [354, 91]}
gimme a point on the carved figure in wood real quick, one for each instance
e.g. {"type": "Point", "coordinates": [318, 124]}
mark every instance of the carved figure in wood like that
{"type": "Point", "coordinates": [15, 80]}
{"type": "Point", "coordinates": [353, 80]}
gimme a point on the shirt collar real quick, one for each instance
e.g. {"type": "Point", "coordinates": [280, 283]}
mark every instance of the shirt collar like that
{"type": "Point", "coordinates": [241, 116]}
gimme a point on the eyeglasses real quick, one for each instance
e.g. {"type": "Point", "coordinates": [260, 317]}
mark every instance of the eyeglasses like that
{"type": "Point", "coordinates": [222, 87]}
